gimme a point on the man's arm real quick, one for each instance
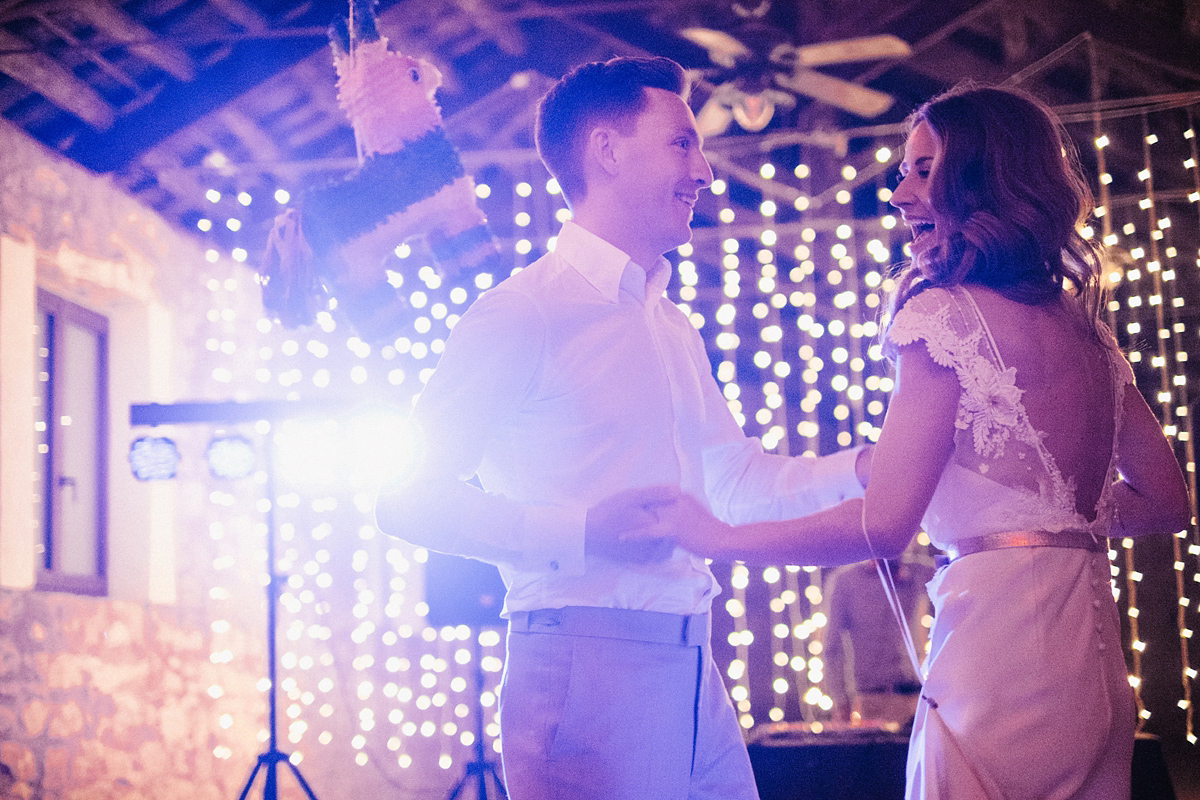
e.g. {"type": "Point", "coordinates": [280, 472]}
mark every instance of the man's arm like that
{"type": "Point", "coordinates": [745, 484]}
{"type": "Point", "coordinates": [491, 361]}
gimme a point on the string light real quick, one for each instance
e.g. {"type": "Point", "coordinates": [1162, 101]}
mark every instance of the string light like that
{"type": "Point", "coordinates": [1149, 308]}
{"type": "Point", "coordinates": [361, 682]}
{"type": "Point", "coordinates": [850, 385]}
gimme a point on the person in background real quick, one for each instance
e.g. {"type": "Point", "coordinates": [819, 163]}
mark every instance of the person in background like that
{"type": "Point", "coordinates": [572, 380]}
{"type": "Point", "coordinates": [868, 673]}
{"type": "Point", "coordinates": [1016, 438]}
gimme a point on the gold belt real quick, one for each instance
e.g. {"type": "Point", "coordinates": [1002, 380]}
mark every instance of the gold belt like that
{"type": "Point", "coordinates": [1079, 540]}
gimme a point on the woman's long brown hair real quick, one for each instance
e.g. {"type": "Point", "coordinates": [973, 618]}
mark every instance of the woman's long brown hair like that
{"type": "Point", "coordinates": [1008, 196]}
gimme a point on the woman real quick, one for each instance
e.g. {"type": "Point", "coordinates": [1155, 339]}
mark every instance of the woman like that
{"type": "Point", "coordinates": [1016, 437]}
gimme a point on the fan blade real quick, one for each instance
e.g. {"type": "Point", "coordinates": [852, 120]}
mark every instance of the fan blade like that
{"type": "Point", "coordinates": [722, 48]}
{"type": "Point", "coordinates": [863, 48]}
{"type": "Point", "coordinates": [849, 96]}
{"type": "Point", "coordinates": [713, 118]}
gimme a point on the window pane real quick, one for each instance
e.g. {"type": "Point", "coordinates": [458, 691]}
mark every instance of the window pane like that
{"type": "Point", "coordinates": [77, 433]}
{"type": "Point", "coordinates": [71, 430]}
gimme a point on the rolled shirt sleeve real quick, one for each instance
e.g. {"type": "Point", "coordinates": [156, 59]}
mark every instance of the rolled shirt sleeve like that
{"type": "Point", "coordinates": [745, 484]}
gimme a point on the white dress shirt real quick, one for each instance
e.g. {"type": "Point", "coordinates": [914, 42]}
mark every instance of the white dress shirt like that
{"type": "Point", "coordinates": [574, 379]}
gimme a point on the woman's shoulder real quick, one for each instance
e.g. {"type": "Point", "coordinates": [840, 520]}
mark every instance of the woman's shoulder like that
{"type": "Point", "coordinates": [931, 314]}
{"type": "Point", "coordinates": [937, 319]}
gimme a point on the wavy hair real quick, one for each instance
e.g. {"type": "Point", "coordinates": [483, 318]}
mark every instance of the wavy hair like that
{"type": "Point", "coordinates": [1008, 196]}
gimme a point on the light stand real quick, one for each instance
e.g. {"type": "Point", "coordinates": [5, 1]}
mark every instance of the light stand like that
{"type": "Point", "coordinates": [463, 591]}
{"type": "Point", "coordinates": [269, 760]}
{"type": "Point", "coordinates": [229, 413]}
{"type": "Point", "coordinates": [481, 768]}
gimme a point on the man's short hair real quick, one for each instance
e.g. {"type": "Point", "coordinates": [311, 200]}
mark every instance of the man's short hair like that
{"type": "Point", "coordinates": [592, 94]}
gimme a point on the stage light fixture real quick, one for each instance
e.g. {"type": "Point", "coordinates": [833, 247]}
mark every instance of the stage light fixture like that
{"type": "Point", "coordinates": [153, 458]}
{"type": "Point", "coordinates": [230, 456]}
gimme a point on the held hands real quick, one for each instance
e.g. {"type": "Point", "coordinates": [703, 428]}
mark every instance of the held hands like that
{"type": "Point", "coordinates": [645, 525]}
{"type": "Point", "coordinates": [626, 527]}
{"type": "Point", "coordinates": [687, 523]}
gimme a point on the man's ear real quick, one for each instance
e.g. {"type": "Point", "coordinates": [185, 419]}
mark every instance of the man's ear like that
{"type": "Point", "coordinates": [601, 149]}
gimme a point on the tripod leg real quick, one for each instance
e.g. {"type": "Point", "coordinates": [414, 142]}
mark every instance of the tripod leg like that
{"type": "Point", "coordinates": [491, 768]}
{"type": "Point", "coordinates": [458, 787]}
{"type": "Point", "coordinates": [250, 781]}
{"type": "Point", "coordinates": [300, 779]}
{"type": "Point", "coordinates": [271, 784]}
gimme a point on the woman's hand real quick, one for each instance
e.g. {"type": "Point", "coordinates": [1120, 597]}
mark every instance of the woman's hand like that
{"type": "Point", "coordinates": [688, 523]}
{"type": "Point", "coordinates": [626, 526]}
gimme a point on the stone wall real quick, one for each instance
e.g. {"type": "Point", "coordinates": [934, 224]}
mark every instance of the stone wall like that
{"type": "Point", "coordinates": [136, 696]}
{"type": "Point", "coordinates": [105, 699]}
{"type": "Point", "coordinates": [108, 698]}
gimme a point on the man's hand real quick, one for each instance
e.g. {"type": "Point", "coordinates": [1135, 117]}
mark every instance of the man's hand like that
{"type": "Point", "coordinates": [617, 516]}
{"type": "Point", "coordinates": [862, 464]}
{"type": "Point", "coordinates": [689, 524]}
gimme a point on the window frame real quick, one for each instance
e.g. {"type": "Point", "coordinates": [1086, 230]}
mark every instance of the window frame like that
{"type": "Point", "coordinates": [58, 309]}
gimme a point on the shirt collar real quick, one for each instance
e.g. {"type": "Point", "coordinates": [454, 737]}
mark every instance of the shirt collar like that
{"type": "Point", "coordinates": [607, 267]}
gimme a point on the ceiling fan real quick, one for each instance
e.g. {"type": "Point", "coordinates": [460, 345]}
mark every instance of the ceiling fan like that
{"type": "Point", "coordinates": [754, 66]}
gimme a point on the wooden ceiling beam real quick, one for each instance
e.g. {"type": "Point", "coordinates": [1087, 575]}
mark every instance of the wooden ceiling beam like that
{"type": "Point", "coordinates": [934, 38]}
{"type": "Point", "coordinates": [42, 74]}
{"type": "Point", "coordinates": [179, 105]}
{"type": "Point", "coordinates": [137, 38]}
{"type": "Point", "coordinates": [241, 14]}
{"type": "Point", "coordinates": [500, 29]}
{"type": "Point", "coordinates": [260, 145]}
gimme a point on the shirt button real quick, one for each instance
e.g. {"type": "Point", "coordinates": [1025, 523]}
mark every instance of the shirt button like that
{"type": "Point", "coordinates": [554, 566]}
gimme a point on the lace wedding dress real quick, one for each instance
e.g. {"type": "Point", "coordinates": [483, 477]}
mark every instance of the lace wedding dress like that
{"type": "Point", "coordinates": [1026, 692]}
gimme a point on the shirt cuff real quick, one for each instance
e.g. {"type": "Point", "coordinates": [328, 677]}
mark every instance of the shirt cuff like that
{"type": "Point", "coordinates": [554, 536]}
{"type": "Point", "coordinates": [837, 474]}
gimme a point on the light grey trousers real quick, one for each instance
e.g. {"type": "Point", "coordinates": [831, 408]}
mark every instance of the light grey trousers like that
{"type": "Point", "coordinates": [618, 705]}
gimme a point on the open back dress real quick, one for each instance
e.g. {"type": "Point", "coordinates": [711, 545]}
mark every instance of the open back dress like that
{"type": "Point", "coordinates": [1026, 692]}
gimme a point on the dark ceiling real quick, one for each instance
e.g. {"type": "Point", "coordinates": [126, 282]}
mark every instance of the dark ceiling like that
{"type": "Point", "coordinates": [175, 98]}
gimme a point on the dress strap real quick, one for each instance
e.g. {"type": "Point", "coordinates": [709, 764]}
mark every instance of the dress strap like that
{"type": "Point", "coordinates": [997, 358]}
{"type": "Point", "coordinates": [893, 596]}
{"type": "Point", "coordinates": [1079, 540]}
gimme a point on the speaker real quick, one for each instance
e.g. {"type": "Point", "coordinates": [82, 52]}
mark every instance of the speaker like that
{"type": "Point", "coordinates": [462, 591]}
{"type": "Point", "coordinates": [1151, 780]}
{"type": "Point", "coordinates": [834, 765]}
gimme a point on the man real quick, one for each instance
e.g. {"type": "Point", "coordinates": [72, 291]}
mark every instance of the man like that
{"type": "Point", "coordinates": [573, 381]}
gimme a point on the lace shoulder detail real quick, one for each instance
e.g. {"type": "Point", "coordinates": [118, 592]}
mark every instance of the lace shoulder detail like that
{"type": "Point", "coordinates": [955, 336]}
{"type": "Point", "coordinates": [927, 316]}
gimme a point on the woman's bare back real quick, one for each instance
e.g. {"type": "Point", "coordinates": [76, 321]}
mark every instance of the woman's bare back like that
{"type": "Point", "coordinates": [1068, 386]}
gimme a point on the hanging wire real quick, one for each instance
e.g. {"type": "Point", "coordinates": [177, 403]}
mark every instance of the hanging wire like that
{"type": "Point", "coordinates": [1164, 293]}
{"type": "Point", "coordinates": [1166, 331]}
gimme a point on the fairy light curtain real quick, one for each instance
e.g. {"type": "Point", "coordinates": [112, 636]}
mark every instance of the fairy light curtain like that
{"type": "Point", "coordinates": [1149, 222]}
{"type": "Point", "coordinates": [785, 288]}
